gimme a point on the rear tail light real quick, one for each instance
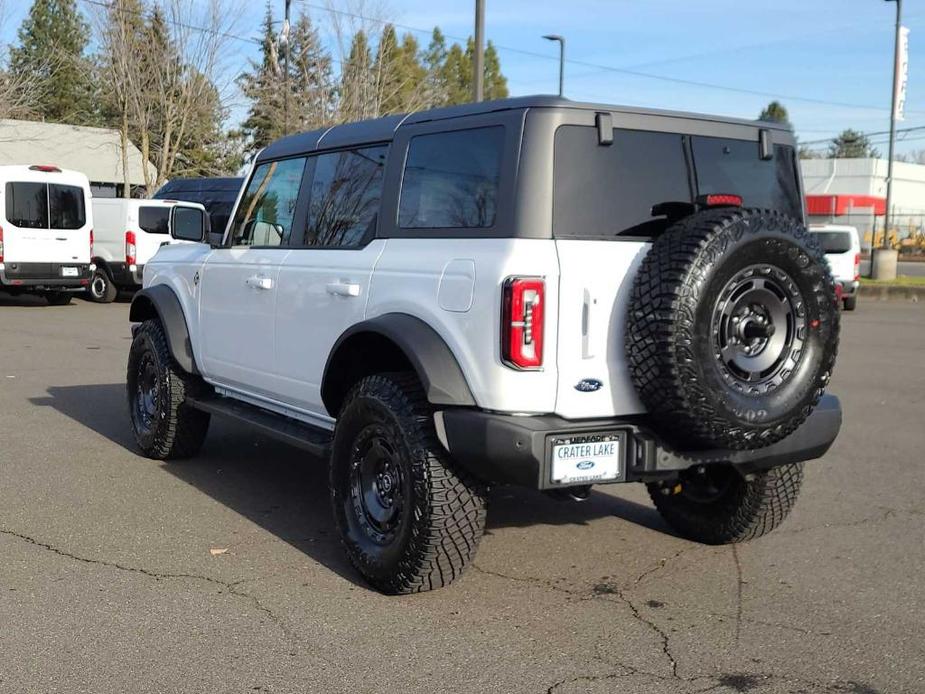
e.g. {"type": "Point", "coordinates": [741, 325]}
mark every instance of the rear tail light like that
{"type": "Point", "coordinates": [44, 168]}
{"type": "Point", "coordinates": [522, 313]}
{"type": "Point", "coordinates": [130, 252]}
{"type": "Point", "coordinates": [720, 200]}
{"type": "Point", "coordinates": [857, 267]}
{"type": "Point", "coordinates": [91, 245]}
{"type": "Point", "coordinates": [1, 244]}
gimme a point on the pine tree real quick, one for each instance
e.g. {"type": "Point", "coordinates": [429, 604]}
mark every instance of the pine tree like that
{"type": "Point", "coordinates": [775, 113]}
{"type": "Point", "coordinates": [50, 55]}
{"type": "Point", "coordinates": [357, 98]}
{"type": "Point", "coordinates": [433, 59]}
{"type": "Point", "coordinates": [495, 84]}
{"type": "Point", "coordinates": [457, 74]}
{"type": "Point", "coordinates": [311, 82]}
{"type": "Point", "coordinates": [262, 85]}
{"type": "Point", "coordinates": [851, 144]}
{"type": "Point", "coordinates": [398, 73]}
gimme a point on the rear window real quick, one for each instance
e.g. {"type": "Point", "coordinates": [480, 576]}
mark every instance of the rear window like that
{"type": "Point", "coordinates": [153, 220]}
{"type": "Point", "coordinates": [451, 180]}
{"type": "Point", "coordinates": [602, 191]}
{"type": "Point", "coordinates": [834, 241]}
{"type": "Point", "coordinates": [31, 205]}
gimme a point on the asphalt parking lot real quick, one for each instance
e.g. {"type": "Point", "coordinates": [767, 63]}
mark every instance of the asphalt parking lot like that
{"type": "Point", "coordinates": [109, 581]}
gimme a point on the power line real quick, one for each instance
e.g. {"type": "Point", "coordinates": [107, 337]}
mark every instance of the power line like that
{"type": "Point", "coordinates": [867, 135]}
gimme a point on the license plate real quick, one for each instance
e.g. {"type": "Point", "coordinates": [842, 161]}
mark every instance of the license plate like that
{"type": "Point", "coordinates": [69, 272]}
{"type": "Point", "coordinates": [586, 459]}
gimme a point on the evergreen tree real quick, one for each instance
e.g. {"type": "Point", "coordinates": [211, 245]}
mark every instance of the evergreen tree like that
{"type": "Point", "coordinates": [457, 74]}
{"type": "Point", "coordinates": [495, 84]}
{"type": "Point", "coordinates": [357, 98]}
{"type": "Point", "coordinates": [433, 59]}
{"type": "Point", "coordinates": [851, 144]}
{"type": "Point", "coordinates": [398, 73]}
{"type": "Point", "coordinates": [775, 113]}
{"type": "Point", "coordinates": [311, 81]}
{"type": "Point", "coordinates": [50, 55]}
{"type": "Point", "coordinates": [262, 86]}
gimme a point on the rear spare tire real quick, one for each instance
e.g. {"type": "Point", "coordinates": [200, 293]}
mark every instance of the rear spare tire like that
{"type": "Point", "coordinates": [732, 329]}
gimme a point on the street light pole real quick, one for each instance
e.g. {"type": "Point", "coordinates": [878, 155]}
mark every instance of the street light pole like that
{"type": "Point", "coordinates": [478, 64]}
{"type": "Point", "coordinates": [561, 40]}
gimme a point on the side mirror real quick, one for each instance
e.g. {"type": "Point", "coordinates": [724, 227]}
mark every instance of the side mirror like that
{"type": "Point", "coordinates": [188, 224]}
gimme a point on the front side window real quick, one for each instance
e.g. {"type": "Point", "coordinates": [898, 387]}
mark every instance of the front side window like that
{"type": "Point", "coordinates": [451, 180]}
{"type": "Point", "coordinates": [66, 207]}
{"type": "Point", "coordinates": [345, 195]}
{"type": "Point", "coordinates": [267, 209]}
{"type": "Point", "coordinates": [154, 220]}
{"type": "Point", "coordinates": [27, 205]}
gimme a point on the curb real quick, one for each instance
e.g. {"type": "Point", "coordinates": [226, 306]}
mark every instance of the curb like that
{"type": "Point", "coordinates": [892, 292]}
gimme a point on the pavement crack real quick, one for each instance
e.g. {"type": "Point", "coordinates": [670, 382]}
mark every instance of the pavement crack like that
{"type": "Point", "coordinates": [739, 588]}
{"type": "Point", "coordinates": [589, 679]}
{"type": "Point", "coordinates": [229, 587]}
{"type": "Point", "coordinates": [662, 563]}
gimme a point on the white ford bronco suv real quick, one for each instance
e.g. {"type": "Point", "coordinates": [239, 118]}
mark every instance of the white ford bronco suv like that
{"type": "Point", "coordinates": [529, 291]}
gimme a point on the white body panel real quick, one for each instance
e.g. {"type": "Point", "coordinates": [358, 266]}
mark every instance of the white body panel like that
{"type": "Point", "coordinates": [416, 276]}
{"type": "Point", "coordinates": [115, 216]}
{"type": "Point", "coordinates": [596, 278]}
{"type": "Point", "coordinates": [842, 264]}
{"type": "Point", "coordinates": [23, 245]}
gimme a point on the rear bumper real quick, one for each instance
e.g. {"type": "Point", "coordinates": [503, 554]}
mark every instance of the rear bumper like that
{"type": "Point", "coordinates": [128, 276]}
{"type": "Point", "coordinates": [509, 449]}
{"type": "Point", "coordinates": [849, 288]}
{"type": "Point", "coordinates": [44, 275]}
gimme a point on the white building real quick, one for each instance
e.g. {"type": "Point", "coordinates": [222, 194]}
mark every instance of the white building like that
{"type": "Point", "coordinates": [853, 191]}
{"type": "Point", "coordinates": [96, 152]}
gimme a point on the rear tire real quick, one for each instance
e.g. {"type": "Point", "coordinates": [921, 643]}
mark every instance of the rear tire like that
{"type": "Point", "coordinates": [718, 506]}
{"type": "Point", "coordinates": [410, 521]}
{"type": "Point", "coordinates": [165, 427]}
{"type": "Point", "coordinates": [851, 303]}
{"type": "Point", "coordinates": [101, 289]}
{"type": "Point", "coordinates": [58, 298]}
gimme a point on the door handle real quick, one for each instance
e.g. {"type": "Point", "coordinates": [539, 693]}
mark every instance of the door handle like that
{"type": "Point", "coordinates": [258, 282]}
{"type": "Point", "coordinates": [343, 289]}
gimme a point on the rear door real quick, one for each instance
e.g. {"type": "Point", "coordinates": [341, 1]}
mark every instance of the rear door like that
{"type": "Point", "coordinates": [839, 252]}
{"type": "Point", "coordinates": [46, 222]}
{"type": "Point", "coordinates": [324, 282]}
{"type": "Point", "coordinates": [152, 220]}
{"type": "Point", "coordinates": [240, 282]}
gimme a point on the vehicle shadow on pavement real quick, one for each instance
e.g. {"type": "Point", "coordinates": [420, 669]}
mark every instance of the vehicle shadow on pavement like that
{"type": "Point", "coordinates": [22, 300]}
{"type": "Point", "coordinates": [285, 491]}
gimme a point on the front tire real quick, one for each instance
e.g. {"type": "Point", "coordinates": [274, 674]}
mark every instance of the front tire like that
{"type": "Point", "coordinates": [410, 521]}
{"type": "Point", "coordinates": [101, 289]}
{"type": "Point", "coordinates": [716, 505]}
{"type": "Point", "coordinates": [165, 427]}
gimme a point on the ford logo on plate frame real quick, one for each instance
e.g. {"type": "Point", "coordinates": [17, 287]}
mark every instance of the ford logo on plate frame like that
{"type": "Point", "coordinates": [585, 465]}
{"type": "Point", "coordinates": [588, 385]}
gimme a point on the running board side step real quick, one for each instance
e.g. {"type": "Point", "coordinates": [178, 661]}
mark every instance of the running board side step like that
{"type": "Point", "coordinates": [315, 440]}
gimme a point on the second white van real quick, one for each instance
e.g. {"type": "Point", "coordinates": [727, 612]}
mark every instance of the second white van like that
{"type": "Point", "coordinates": [128, 233]}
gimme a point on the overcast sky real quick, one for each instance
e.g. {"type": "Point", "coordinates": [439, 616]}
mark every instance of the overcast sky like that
{"type": "Point", "coordinates": [803, 52]}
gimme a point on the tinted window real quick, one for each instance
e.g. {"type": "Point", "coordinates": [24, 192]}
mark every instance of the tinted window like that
{"type": "Point", "coordinates": [265, 215]}
{"type": "Point", "coordinates": [734, 166]}
{"type": "Point", "coordinates": [451, 180]}
{"type": "Point", "coordinates": [345, 194]}
{"type": "Point", "coordinates": [606, 190]}
{"type": "Point", "coordinates": [188, 223]}
{"type": "Point", "coordinates": [66, 206]}
{"type": "Point", "coordinates": [27, 205]}
{"type": "Point", "coordinates": [153, 220]}
{"type": "Point", "coordinates": [834, 241]}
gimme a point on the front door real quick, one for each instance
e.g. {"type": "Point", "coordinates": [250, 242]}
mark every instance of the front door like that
{"type": "Point", "coordinates": [324, 284]}
{"type": "Point", "coordinates": [240, 283]}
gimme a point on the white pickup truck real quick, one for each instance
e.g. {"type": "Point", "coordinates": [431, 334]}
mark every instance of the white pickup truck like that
{"type": "Point", "coordinates": [529, 291]}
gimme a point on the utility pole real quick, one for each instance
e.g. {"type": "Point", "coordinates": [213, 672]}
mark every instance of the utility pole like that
{"type": "Point", "coordinates": [561, 40]}
{"type": "Point", "coordinates": [284, 41]}
{"type": "Point", "coordinates": [478, 64]}
{"type": "Point", "coordinates": [883, 262]}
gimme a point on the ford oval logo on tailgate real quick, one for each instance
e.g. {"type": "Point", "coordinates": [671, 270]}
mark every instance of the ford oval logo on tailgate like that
{"type": "Point", "coordinates": [588, 385]}
{"type": "Point", "coordinates": [585, 465]}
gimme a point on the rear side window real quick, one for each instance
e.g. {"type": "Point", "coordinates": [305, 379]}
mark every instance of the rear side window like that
{"type": "Point", "coordinates": [451, 180]}
{"type": "Point", "coordinates": [345, 194]}
{"type": "Point", "coordinates": [153, 220]}
{"type": "Point", "coordinates": [733, 166]}
{"type": "Point", "coordinates": [265, 215]}
{"type": "Point", "coordinates": [605, 191]}
{"type": "Point", "coordinates": [834, 241]}
{"type": "Point", "coordinates": [32, 205]}
{"type": "Point", "coordinates": [27, 205]}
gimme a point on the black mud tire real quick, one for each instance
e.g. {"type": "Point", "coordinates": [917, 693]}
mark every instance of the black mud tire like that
{"type": "Point", "coordinates": [58, 298]}
{"type": "Point", "coordinates": [101, 289]}
{"type": "Point", "coordinates": [428, 528]}
{"type": "Point", "coordinates": [164, 425]}
{"type": "Point", "coordinates": [735, 510]}
{"type": "Point", "coordinates": [696, 395]}
{"type": "Point", "coordinates": [851, 303]}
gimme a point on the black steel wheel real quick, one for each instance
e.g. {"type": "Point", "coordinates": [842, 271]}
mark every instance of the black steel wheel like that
{"type": "Point", "coordinates": [409, 519]}
{"type": "Point", "coordinates": [165, 427]}
{"type": "Point", "coordinates": [732, 329]}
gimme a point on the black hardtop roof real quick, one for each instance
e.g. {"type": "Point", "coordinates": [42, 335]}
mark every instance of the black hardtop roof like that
{"type": "Point", "coordinates": [383, 129]}
{"type": "Point", "coordinates": [200, 185]}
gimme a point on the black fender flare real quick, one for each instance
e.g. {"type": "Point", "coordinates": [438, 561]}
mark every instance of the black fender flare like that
{"type": "Point", "coordinates": [161, 302]}
{"type": "Point", "coordinates": [437, 368]}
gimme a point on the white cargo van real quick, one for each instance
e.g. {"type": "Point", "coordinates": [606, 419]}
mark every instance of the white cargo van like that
{"type": "Point", "coordinates": [128, 233]}
{"type": "Point", "coordinates": [46, 231]}
{"type": "Point", "coordinates": [842, 248]}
